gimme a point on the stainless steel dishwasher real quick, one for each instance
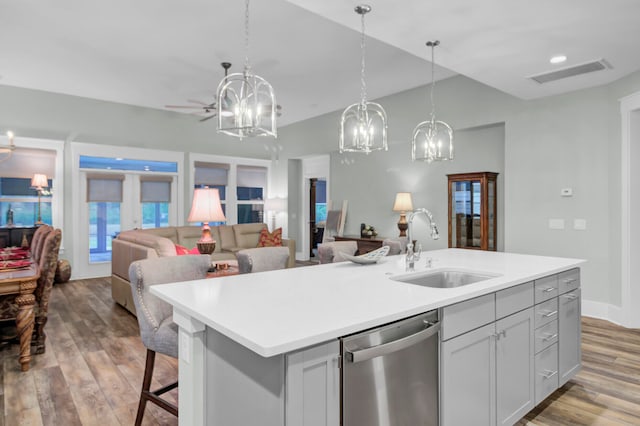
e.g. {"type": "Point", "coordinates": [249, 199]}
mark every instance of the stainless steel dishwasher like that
{"type": "Point", "coordinates": [390, 374]}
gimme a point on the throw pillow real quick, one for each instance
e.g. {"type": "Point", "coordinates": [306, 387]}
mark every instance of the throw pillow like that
{"type": "Point", "coordinates": [194, 250]}
{"type": "Point", "coordinates": [270, 239]}
{"type": "Point", "coordinates": [181, 250]}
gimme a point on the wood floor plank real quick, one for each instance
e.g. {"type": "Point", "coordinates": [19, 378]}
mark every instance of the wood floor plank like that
{"type": "Point", "coordinates": [21, 403]}
{"type": "Point", "coordinates": [90, 402]}
{"type": "Point", "coordinates": [120, 392]}
{"type": "Point", "coordinates": [56, 403]}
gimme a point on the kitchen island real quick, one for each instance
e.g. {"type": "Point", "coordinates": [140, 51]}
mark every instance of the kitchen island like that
{"type": "Point", "coordinates": [252, 346]}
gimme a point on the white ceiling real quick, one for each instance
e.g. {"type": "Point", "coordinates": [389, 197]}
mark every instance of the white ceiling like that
{"type": "Point", "coordinates": [156, 52]}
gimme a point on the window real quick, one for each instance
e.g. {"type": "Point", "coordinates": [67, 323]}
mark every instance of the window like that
{"type": "Point", "coordinates": [155, 196]}
{"type": "Point", "coordinates": [242, 183]}
{"type": "Point", "coordinates": [17, 195]}
{"type": "Point", "coordinates": [104, 195]}
{"type": "Point", "coordinates": [213, 175]}
{"type": "Point", "coordinates": [250, 189]}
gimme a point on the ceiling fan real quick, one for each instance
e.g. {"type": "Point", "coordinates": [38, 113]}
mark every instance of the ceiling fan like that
{"type": "Point", "coordinates": [203, 108]}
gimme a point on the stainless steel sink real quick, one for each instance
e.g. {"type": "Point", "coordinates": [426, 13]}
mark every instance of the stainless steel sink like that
{"type": "Point", "coordinates": [444, 278]}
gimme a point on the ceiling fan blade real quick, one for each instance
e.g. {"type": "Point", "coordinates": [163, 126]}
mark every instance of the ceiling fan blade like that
{"type": "Point", "coordinates": [183, 106]}
{"type": "Point", "coordinates": [197, 102]}
{"type": "Point", "coordinates": [207, 118]}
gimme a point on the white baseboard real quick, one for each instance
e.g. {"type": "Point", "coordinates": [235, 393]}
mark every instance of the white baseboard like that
{"type": "Point", "coordinates": [603, 311]}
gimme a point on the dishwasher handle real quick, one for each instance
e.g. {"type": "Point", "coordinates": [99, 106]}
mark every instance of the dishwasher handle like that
{"type": "Point", "coordinates": [394, 346]}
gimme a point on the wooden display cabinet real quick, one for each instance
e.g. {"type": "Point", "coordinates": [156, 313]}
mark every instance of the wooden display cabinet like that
{"type": "Point", "coordinates": [472, 210]}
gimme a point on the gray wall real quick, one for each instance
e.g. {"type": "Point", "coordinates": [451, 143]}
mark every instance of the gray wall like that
{"type": "Point", "coordinates": [571, 140]}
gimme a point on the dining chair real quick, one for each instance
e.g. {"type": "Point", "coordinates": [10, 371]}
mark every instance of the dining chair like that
{"type": "Point", "coordinates": [37, 240]}
{"type": "Point", "coordinates": [397, 245]}
{"type": "Point", "coordinates": [47, 264]}
{"type": "Point", "coordinates": [158, 332]}
{"type": "Point", "coordinates": [262, 259]}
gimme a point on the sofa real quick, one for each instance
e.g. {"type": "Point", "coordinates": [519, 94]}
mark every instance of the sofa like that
{"type": "Point", "coordinates": [138, 244]}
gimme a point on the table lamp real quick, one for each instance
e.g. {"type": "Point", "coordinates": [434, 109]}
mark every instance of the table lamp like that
{"type": "Point", "coordinates": [39, 181]}
{"type": "Point", "coordinates": [206, 208]}
{"type": "Point", "coordinates": [275, 205]}
{"type": "Point", "coordinates": [403, 204]}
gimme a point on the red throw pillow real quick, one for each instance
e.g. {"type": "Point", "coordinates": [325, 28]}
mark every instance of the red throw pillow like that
{"type": "Point", "coordinates": [270, 239]}
{"type": "Point", "coordinates": [181, 250]}
{"type": "Point", "coordinates": [194, 250]}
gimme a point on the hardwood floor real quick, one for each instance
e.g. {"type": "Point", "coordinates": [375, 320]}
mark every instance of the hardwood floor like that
{"type": "Point", "coordinates": [92, 370]}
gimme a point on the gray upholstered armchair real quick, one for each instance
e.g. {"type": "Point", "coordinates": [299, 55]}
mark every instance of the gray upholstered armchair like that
{"type": "Point", "coordinates": [332, 251]}
{"type": "Point", "coordinates": [262, 259]}
{"type": "Point", "coordinates": [155, 317]}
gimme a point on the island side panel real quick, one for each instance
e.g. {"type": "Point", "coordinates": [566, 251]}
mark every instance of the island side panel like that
{"type": "Point", "coordinates": [190, 368]}
{"type": "Point", "coordinates": [242, 387]}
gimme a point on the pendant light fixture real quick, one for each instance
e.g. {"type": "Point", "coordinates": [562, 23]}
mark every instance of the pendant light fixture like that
{"type": "Point", "coordinates": [432, 140]}
{"type": "Point", "coordinates": [363, 126]}
{"type": "Point", "coordinates": [246, 101]}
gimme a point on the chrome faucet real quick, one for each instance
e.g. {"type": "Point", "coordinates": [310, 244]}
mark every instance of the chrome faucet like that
{"type": "Point", "coordinates": [434, 228]}
{"type": "Point", "coordinates": [412, 254]}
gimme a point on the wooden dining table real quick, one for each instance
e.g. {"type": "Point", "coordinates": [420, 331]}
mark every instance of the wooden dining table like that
{"type": "Point", "coordinates": [22, 283]}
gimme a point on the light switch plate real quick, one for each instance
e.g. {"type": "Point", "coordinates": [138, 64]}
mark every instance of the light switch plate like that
{"type": "Point", "coordinates": [556, 223]}
{"type": "Point", "coordinates": [580, 224]}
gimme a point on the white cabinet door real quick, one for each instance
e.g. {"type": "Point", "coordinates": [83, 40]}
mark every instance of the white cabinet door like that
{"type": "Point", "coordinates": [313, 386]}
{"type": "Point", "coordinates": [515, 366]}
{"type": "Point", "coordinates": [570, 354]}
{"type": "Point", "coordinates": [468, 379]}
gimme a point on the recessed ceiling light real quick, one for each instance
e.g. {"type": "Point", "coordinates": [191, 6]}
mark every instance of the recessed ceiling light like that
{"type": "Point", "coordinates": [558, 59]}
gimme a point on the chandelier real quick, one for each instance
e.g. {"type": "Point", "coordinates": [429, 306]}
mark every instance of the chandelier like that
{"type": "Point", "coordinates": [432, 140]}
{"type": "Point", "coordinates": [7, 150]}
{"type": "Point", "coordinates": [246, 102]}
{"type": "Point", "coordinates": [363, 125]}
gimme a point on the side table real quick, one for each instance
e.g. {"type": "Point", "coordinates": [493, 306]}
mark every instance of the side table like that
{"type": "Point", "coordinates": [365, 245]}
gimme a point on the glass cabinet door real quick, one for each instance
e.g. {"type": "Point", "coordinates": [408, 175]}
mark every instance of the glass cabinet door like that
{"type": "Point", "coordinates": [472, 205]}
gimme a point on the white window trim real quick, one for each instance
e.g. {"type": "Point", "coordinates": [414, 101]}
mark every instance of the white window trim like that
{"type": "Point", "coordinates": [232, 201]}
{"type": "Point", "coordinates": [84, 269]}
{"type": "Point", "coordinates": [57, 188]}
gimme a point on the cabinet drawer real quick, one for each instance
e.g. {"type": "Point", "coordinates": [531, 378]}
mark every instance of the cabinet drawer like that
{"type": "Point", "coordinates": [569, 280]}
{"type": "Point", "coordinates": [546, 288]}
{"type": "Point", "coordinates": [546, 335]}
{"type": "Point", "coordinates": [546, 312]}
{"type": "Point", "coordinates": [546, 373]}
{"type": "Point", "coordinates": [514, 299]}
{"type": "Point", "coordinates": [468, 315]}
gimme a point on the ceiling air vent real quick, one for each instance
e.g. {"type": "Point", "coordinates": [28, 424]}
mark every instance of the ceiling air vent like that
{"type": "Point", "coordinates": [571, 71]}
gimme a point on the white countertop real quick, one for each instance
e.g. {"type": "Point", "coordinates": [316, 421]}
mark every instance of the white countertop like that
{"type": "Point", "coordinates": [276, 312]}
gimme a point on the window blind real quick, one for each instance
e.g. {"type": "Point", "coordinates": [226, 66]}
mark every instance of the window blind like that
{"type": "Point", "coordinates": [104, 187]}
{"type": "Point", "coordinates": [211, 174]}
{"type": "Point", "coordinates": [155, 189]}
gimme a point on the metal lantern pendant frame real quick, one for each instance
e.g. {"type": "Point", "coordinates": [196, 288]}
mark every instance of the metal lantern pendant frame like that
{"type": "Point", "coordinates": [432, 139]}
{"type": "Point", "coordinates": [363, 125]}
{"type": "Point", "coordinates": [246, 101]}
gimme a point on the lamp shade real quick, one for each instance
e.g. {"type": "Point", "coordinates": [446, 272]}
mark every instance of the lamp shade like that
{"type": "Point", "coordinates": [39, 181]}
{"type": "Point", "coordinates": [403, 202]}
{"type": "Point", "coordinates": [206, 206]}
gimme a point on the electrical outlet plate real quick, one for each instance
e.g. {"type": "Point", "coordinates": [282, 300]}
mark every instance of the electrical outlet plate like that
{"type": "Point", "coordinates": [556, 223]}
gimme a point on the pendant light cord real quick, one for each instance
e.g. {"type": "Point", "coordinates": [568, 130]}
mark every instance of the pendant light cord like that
{"type": "Point", "coordinates": [363, 84]}
{"type": "Point", "coordinates": [246, 36]}
{"type": "Point", "coordinates": [433, 45]}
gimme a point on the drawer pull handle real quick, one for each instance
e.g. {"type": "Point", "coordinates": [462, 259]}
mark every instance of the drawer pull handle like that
{"type": "Point", "coordinates": [569, 280]}
{"type": "Point", "coordinates": [571, 296]}
{"type": "Point", "coordinates": [549, 337]}
{"type": "Point", "coordinates": [549, 374]}
{"type": "Point", "coordinates": [548, 289]}
{"type": "Point", "coordinates": [550, 314]}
